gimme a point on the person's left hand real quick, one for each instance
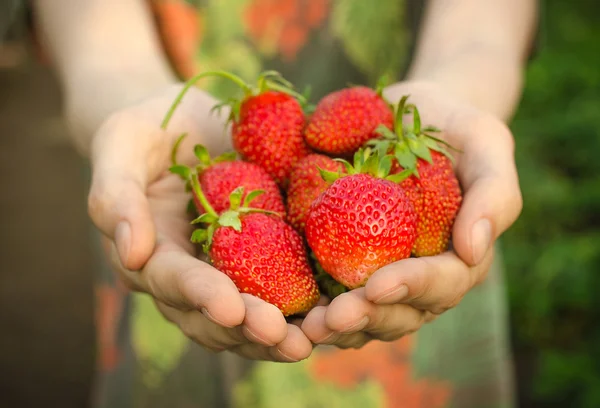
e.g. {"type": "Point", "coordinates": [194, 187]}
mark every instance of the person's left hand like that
{"type": "Point", "coordinates": [400, 297]}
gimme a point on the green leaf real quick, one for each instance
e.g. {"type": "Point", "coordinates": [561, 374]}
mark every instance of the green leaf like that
{"type": "Point", "coordinates": [359, 160]}
{"type": "Point", "coordinates": [431, 129]}
{"type": "Point", "coordinates": [349, 168]}
{"type": "Point", "coordinates": [383, 148]}
{"type": "Point", "coordinates": [251, 196]}
{"type": "Point", "coordinates": [202, 154]}
{"type": "Point", "coordinates": [400, 110]}
{"type": "Point", "coordinates": [385, 165]}
{"type": "Point", "coordinates": [225, 157]}
{"type": "Point", "coordinates": [210, 232]}
{"type": "Point", "coordinates": [441, 149]}
{"type": "Point", "coordinates": [205, 218]}
{"type": "Point", "coordinates": [231, 219]}
{"type": "Point", "coordinates": [199, 236]}
{"type": "Point", "coordinates": [421, 150]}
{"type": "Point", "coordinates": [183, 171]}
{"type": "Point", "coordinates": [329, 176]}
{"type": "Point", "coordinates": [442, 141]}
{"type": "Point", "coordinates": [385, 132]}
{"type": "Point", "coordinates": [405, 157]}
{"type": "Point", "coordinates": [371, 164]}
{"type": "Point", "coordinates": [416, 119]}
{"type": "Point", "coordinates": [235, 198]}
{"type": "Point", "coordinates": [400, 177]}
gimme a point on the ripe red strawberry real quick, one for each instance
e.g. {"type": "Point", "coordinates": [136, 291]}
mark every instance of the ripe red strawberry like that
{"type": "Point", "coordinates": [362, 222]}
{"type": "Point", "coordinates": [220, 176]}
{"type": "Point", "coordinates": [267, 122]}
{"type": "Point", "coordinates": [268, 132]}
{"type": "Point", "coordinates": [267, 259]}
{"type": "Point", "coordinates": [260, 252]}
{"type": "Point", "coordinates": [344, 120]}
{"type": "Point", "coordinates": [436, 196]}
{"type": "Point", "coordinates": [306, 184]}
{"type": "Point", "coordinates": [431, 183]}
{"type": "Point", "coordinates": [220, 179]}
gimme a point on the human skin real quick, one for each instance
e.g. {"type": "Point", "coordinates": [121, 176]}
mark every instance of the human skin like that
{"type": "Point", "coordinates": [466, 78]}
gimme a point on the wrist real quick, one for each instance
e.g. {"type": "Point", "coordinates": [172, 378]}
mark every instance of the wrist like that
{"type": "Point", "coordinates": [486, 79]}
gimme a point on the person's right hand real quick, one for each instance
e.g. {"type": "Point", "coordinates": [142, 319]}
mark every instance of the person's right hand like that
{"type": "Point", "coordinates": [141, 209]}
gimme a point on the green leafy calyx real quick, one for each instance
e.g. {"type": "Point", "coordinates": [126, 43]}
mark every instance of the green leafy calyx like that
{"type": "Point", "coordinates": [409, 143]}
{"type": "Point", "coordinates": [366, 161]}
{"type": "Point", "coordinates": [204, 161]}
{"type": "Point", "coordinates": [238, 205]}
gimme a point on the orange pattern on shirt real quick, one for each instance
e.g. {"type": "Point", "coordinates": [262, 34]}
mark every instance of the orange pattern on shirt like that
{"type": "Point", "coordinates": [180, 26]}
{"type": "Point", "coordinates": [286, 22]}
{"type": "Point", "coordinates": [388, 364]}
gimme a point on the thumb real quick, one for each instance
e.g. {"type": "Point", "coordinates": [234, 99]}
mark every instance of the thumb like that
{"type": "Point", "coordinates": [117, 202]}
{"type": "Point", "coordinates": [492, 200]}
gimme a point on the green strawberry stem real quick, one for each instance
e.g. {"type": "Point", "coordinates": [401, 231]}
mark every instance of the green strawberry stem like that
{"type": "Point", "coordinates": [192, 81]}
{"type": "Point", "coordinates": [230, 218]}
{"type": "Point", "coordinates": [201, 197]}
{"type": "Point", "coordinates": [176, 149]}
{"type": "Point", "coordinates": [266, 80]}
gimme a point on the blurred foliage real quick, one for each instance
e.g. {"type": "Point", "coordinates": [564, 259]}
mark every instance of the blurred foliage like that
{"type": "Point", "coordinates": [285, 385]}
{"type": "Point", "coordinates": [553, 251]}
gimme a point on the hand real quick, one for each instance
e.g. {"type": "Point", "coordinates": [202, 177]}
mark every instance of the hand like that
{"type": "Point", "coordinates": [141, 209]}
{"type": "Point", "coordinates": [402, 296]}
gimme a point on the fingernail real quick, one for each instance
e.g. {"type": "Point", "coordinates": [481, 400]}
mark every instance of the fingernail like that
{"type": "Point", "coordinates": [250, 335]}
{"type": "Point", "coordinates": [357, 326]}
{"type": "Point", "coordinates": [291, 360]}
{"type": "Point", "coordinates": [481, 237]}
{"type": "Point", "coordinates": [210, 317]}
{"type": "Point", "coordinates": [393, 295]}
{"type": "Point", "coordinates": [123, 240]}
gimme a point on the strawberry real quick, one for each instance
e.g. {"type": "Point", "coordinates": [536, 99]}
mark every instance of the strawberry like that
{"type": "Point", "coordinates": [268, 132]}
{"type": "Point", "coordinates": [267, 122]}
{"type": "Point", "coordinates": [431, 183]}
{"type": "Point", "coordinates": [219, 177]}
{"type": "Point", "coordinates": [259, 252]}
{"type": "Point", "coordinates": [344, 120]}
{"type": "Point", "coordinates": [306, 184]}
{"type": "Point", "coordinates": [361, 222]}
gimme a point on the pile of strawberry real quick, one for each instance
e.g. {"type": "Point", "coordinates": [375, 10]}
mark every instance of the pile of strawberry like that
{"type": "Point", "coordinates": [287, 217]}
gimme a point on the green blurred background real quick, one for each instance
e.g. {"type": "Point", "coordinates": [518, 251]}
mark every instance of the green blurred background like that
{"type": "Point", "coordinates": [553, 251]}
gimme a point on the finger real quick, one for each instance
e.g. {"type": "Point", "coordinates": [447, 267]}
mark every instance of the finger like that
{"type": "Point", "coordinates": [435, 283]}
{"type": "Point", "coordinates": [295, 347]}
{"type": "Point", "coordinates": [117, 202]}
{"type": "Point", "coordinates": [315, 328]}
{"type": "Point", "coordinates": [352, 313]}
{"type": "Point", "coordinates": [264, 323]}
{"type": "Point", "coordinates": [202, 331]}
{"type": "Point", "coordinates": [350, 341]}
{"type": "Point", "coordinates": [179, 280]}
{"type": "Point", "coordinates": [492, 199]}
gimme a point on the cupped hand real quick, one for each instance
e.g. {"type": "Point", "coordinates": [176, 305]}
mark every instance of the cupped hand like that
{"type": "Point", "coordinates": [400, 297]}
{"type": "Point", "coordinates": [141, 209]}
